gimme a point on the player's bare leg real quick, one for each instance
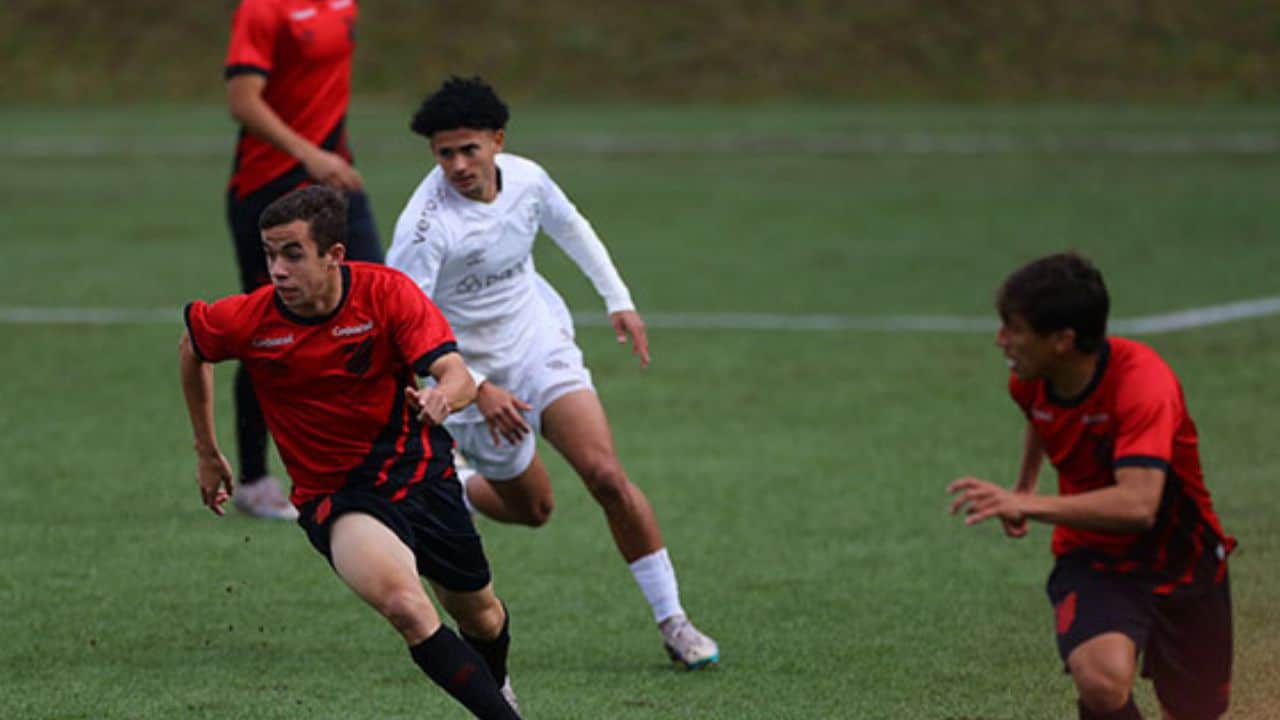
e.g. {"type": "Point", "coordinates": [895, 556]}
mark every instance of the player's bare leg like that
{"type": "Point", "coordinates": [381, 569]}
{"type": "Point", "coordinates": [577, 426]}
{"type": "Point", "coordinates": [1104, 668]}
{"type": "Point", "coordinates": [524, 500]}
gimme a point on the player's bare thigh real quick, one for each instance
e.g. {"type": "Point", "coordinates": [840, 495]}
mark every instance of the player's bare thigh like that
{"type": "Point", "coordinates": [528, 494]}
{"type": "Point", "coordinates": [380, 568]}
{"type": "Point", "coordinates": [576, 425]}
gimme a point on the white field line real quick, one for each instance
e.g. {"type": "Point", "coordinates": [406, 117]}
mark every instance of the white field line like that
{"type": "Point", "coordinates": [1142, 325]}
{"type": "Point", "coordinates": [823, 142]}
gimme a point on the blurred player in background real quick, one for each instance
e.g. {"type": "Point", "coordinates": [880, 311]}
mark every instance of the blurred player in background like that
{"type": "Point", "coordinates": [288, 74]}
{"type": "Point", "coordinates": [466, 236]}
{"type": "Point", "coordinates": [333, 348]}
{"type": "Point", "coordinates": [1141, 562]}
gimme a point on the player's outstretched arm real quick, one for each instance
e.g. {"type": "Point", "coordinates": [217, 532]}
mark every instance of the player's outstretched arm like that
{"type": "Point", "coordinates": [454, 390]}
{"type": "Point", "coordinates": [1028, 477]}
{"type": "Point", "coordinates": [213, 472]}
{"type": "Point", "coordinates": [628, 324]}
{"type": "Point", "coordinates": [503, 413]}
{"type": "Point", "coordinates": [1128, 506]}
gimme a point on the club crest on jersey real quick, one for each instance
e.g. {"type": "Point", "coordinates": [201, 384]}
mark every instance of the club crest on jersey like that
{"type": "Point", "coordinates": [1094, 419]}
{"type": "Point", "coordinates": [270, 342]}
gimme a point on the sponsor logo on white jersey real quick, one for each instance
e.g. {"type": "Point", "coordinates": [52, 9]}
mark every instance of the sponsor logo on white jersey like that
{"type": "Point", "coordinates": [270, 342]}
{"type": "Point", "coordinates": [349, 330]}
{"type": "Point", "coordinates": [474, 283]}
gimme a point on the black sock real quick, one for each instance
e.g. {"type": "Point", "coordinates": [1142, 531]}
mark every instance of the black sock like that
{"type": "Point", "coordinates": [1128, 711]}
{"type": "Point", "coordinates": [251, 429]}
{"type": "Point", "coordinates": [494, 651]}
{"type": "Point", "coordinates": [454, 666]}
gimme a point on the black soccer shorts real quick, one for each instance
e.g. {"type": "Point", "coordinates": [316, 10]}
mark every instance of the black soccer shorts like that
{"type": "Point", "coordinates": [432, 520]}
{"type": "Point", "coordinates": [1185, 638]}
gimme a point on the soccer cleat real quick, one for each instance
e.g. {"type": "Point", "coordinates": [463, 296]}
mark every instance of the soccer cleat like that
{"type": "Point", "coordinates": [510, 695]}
{"type": "Point", "coordinates": [686, 645]}
{"type": "Point", "coordinates": [263, 498]}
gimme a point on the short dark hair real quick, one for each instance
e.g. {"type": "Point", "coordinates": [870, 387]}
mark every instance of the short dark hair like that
{"type": "Point", "coordinates": [460, 103]}
{"type": "Point", "coordinates": [322, 207]}
{"type": "Point", "coordinates": [1055, 292]}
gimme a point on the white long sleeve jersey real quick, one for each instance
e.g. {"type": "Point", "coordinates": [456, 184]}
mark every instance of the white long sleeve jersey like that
{"type": "Point", "coordinates": [475, 260]}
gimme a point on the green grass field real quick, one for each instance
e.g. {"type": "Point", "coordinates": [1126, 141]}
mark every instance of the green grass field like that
{"type": "Point", "coordinates": [798, 474]}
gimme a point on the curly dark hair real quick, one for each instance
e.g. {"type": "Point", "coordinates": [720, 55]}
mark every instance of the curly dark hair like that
{"type": "Point", "coordinates": [1055, 292]}
{"type": "Point", "coordinates": [460, 103]}
{"type": "Point", "coordinates": [324, 208]}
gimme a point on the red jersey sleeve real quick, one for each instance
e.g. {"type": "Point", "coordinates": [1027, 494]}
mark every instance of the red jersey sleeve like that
{"type": "Point", "coordinates": [253, 38]}
{"type": "Point", "coordinates": [215, 334]}
{"type": "Point", "coordinates": [1147, 411]}
{"type": "Point", "coordinates": [418, 329]}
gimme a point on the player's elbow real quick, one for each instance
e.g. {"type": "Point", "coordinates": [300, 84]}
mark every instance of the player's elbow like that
{"type": "Point", "coordinates": [1145, 519]}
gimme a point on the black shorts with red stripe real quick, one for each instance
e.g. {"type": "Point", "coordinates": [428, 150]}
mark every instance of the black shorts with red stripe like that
{"type": "Point", "coordinates": [431, 519]}
{"type": "Point", "coordinates": [1185, 637]}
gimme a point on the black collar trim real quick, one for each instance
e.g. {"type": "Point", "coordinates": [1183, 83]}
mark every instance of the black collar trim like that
{"type": "Point", "coordinates": [318, 319]}
{"type": "Point", "coordinates": [1103, 356]}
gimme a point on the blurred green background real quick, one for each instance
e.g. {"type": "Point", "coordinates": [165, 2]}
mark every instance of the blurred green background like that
{"type": "Point", "coordinates": [69, 51]}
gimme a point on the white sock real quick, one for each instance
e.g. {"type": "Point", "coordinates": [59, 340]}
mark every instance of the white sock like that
{"type": "Point", "coordinates": [657, 580]}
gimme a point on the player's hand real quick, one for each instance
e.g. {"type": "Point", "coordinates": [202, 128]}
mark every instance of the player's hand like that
{"type": "Point", "coordinates": [1014, 528]}
{"type": "Point", "coordinates": [981, 500]}
{"type": "Point", "coordinates": [430, 404]}
{"type": "Point", "coordinates": [503, 412]}
{"type": "Point", "coordinates": [213, 475]}
{"type": "Point", "coordinates": [627, 323]}
{"type": "Point", "coordinates": [332, 169]}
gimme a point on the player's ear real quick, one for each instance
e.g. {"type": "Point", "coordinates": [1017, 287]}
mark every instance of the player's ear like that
{"type": "Point", "coordinates": [1064, 340]}
{"type": "Point", "coordinates": [499, 136]}
{"type": "Point", "coordinates": [337, 253]}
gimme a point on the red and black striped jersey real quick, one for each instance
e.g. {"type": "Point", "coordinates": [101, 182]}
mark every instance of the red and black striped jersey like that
{"type": "Point", "coordinates": [332, 388]}
{"type": "Point", "coordinates": [1132, 414]}
{"type": "Point", "coordinates": [304, 49]}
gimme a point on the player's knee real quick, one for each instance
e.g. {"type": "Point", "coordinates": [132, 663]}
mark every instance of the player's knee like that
{"type": "Point", "coordinates": [409, 612]}
{"type": "Point", "coordinates": [537, 512]}
{"type": "Point", "coordinates": [1102, 691]}
{"type": "Point", "coordinates": [483, 620]}
{"type": "Point", "coordinates": [606, 482]}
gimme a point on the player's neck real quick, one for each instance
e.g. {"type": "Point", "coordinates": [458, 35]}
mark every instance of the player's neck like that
{"type": "Point", "coordinates": [1073, 373]}
{"type": "Point", "coordinates": [325, 301]}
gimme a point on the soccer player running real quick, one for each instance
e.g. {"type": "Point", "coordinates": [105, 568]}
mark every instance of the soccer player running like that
{"type": "Point", "coordinates": [288, 84]}
{"type": "Point", "coordinates": [466, 236]}
{"type": "Point", "coordinates": [333, 348]}
{"type": "Point", "coordinates": [1140, 555]}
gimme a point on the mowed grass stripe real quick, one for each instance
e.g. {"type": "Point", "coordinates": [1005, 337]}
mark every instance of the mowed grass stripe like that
{"type": "Point", "coordinates": [1142, 325]}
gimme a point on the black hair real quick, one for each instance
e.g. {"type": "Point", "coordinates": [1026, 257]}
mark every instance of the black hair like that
{"type": "Point", "coordinates": [322, 207]}
{"type": "Point", "coordinates": [1055, 292]}
{"type": "Point", "coordinates": [460, 103]}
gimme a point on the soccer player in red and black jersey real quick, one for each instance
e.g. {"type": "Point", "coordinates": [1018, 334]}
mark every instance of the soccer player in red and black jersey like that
{"type": "Point", "coordinates": [333, 348]}
{"type": "Point", "coordinates": [1141, 558]}
{"type": "Point", "coordinates": [288, 75]}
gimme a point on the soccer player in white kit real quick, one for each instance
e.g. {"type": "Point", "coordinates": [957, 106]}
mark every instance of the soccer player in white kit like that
{"type": "Point", "coordinates": [466, 237]}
